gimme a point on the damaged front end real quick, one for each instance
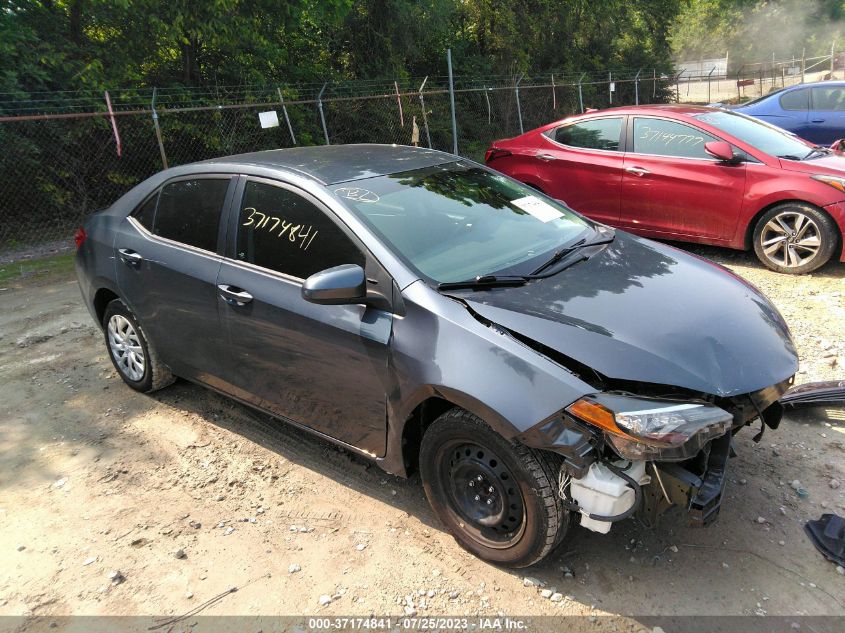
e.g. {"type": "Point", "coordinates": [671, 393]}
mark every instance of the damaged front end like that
{"type": "Point", "coordinates": [625, 453]}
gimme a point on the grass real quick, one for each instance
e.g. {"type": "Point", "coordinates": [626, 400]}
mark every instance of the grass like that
{"type": "Point", "coordinates": [28, 270]}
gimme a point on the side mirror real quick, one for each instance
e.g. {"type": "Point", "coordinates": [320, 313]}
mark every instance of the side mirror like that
{"type": "Point", "coordinates": [838, 145]}
{"type": "Point", "coordinates": [341, 285]}
{"type": "Point", "coordinates": [723, 151]}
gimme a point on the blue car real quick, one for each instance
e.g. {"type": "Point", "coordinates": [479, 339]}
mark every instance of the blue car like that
{"type": "Point", "coordinates": [815, 111]}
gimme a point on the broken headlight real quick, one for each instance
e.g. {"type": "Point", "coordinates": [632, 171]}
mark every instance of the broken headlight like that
{"type": "Point", "coordinates": [644, 428]}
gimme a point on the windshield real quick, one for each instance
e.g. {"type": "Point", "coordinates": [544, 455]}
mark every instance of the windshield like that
{"type": "Point", "coordinates": [767, 138]}
{"type": "Point", "coordinates": [457, 221]}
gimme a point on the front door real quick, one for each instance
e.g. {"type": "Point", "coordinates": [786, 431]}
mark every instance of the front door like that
{"type": "Point", "coordinates": [672, 187]}
{"type": "Point", "coordinates": [321, 366]}
{"type": "Point", "coordinates": [166, 258]}
{"type": "Point", "coordinates": [581, 164]}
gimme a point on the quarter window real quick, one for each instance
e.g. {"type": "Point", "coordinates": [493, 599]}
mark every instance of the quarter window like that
{"type": "Point", "coordinates": [796, 100]}
{"type": "Point", "coordinates": [282, 231]}
{"type": "Point", "coordinates": [146, 212]}
{"type": "Point", "coordinates": [829, 99]}
{"type": "Point", "coordinates": [595, 134]}
{"type": "Point", "coordinates": [660, 137]}
{"type": "Point", "coordinates": [189, 211]}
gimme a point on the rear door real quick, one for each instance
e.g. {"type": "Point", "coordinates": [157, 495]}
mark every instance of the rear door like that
{"type": "Point", "coordinates": [827, 115]}
{"type": "Point", "coordinates": [167, 260]}
{"type": "Point", "coordinates": [672, 187]}
{"type": "Point", "coordinates": [581, 164]}
{"type": "Point", "coordinates": [788, 110]}
{"type": "Point", "coordinates": [322, 366]}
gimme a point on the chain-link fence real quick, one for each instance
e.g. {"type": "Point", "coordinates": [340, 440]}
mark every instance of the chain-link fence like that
{"type": "Point", "coordinates": [65, 155]}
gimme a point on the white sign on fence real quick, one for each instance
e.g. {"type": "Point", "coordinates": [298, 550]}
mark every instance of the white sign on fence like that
{"type": "Point", "coordinates": [268, 119]}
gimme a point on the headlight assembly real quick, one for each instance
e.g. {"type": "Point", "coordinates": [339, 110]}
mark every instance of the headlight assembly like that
{"type": "Point", "coordinates": [645, 428]}
{"type": "Point", "coordinates": [834, 181]}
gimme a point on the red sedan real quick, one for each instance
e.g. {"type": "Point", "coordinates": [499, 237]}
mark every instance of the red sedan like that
{"type": "Point", "coordinates": [691, 173]}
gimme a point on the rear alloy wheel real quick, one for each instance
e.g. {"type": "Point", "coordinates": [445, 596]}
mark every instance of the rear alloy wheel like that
{"type": "Point", "coordinates": [131, 353]}
{"type": "Point", "coordinates": [497, 498]}
{"type": "Point", "coordinates": [794, 238]}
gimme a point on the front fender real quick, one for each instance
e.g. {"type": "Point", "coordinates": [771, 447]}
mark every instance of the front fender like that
{"type": "Point", "coordinates": [441, 349]}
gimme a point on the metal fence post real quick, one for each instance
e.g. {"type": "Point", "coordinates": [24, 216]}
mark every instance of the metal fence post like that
{"type": "Point", "coordinates": [452, 102]}
{"type": "Point", "coordinates": [708, 83]}
{"type": "Point", "coordinates": [554, 96]}
{"type": "Point", "coordinates": [803, 63]}
{"type": "Point", "coordinates": [323, 116]}
{"type": "Point", "coordinates": [425, 115]}
{"type": "Point", "coordinates": [637, 87]}
{"type": "Point", "coordinates": [580, 93]}
{"type": "Point", "coordinates": [489, 109]}
{"type": "Point", "coordinates": [610, 88]}
{"type": "Point", "coordinates": [285, 111]}
{"type": "Point", "coordinates": [518, 106]}
{"type": "Point", "coordinates": [158, 131]}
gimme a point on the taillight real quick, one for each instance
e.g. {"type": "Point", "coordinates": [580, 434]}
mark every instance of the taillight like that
{"type": "Point", "coordinates": [495, 152]}
{"type": "Point", "coordinates": [79, 237]}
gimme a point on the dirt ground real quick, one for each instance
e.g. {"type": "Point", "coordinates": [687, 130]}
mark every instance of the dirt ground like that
{"type": "Point", "coordinates": [187, 494]}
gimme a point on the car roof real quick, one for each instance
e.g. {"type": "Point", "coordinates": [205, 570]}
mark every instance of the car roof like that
{"type": "Point", "coordinates": [332, 164]}
{"type": "Point", "coordinates": [671, 108]}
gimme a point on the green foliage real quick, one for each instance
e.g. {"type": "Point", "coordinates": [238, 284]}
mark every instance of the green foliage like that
{"type": "Point", "coordinates": [752, 30]}
{"type": "Point", "coordinates": [99, 44]}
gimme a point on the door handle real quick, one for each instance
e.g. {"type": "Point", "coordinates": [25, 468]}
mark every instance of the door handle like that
{"type": "Point", "coordinates": [233, 295]}
{"type": "Point", "coordinates": [637, 171]}
{"type": "Point", "coordinates": [546, 157]}
{"type": "Point", "coordinates": [816, 120]}
{"type": "Point", "coordinates": [130, 257]}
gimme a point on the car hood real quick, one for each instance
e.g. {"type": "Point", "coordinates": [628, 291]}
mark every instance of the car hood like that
{"type": "Point", "coordinates": [642, 311]}
{"type": "Point", "coordinates": [833, 164]}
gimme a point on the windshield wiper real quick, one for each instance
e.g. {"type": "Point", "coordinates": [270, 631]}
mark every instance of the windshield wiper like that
{"type": "Point", "coordinates": [485, 281]}
{"type": "Point", "coordinates": [790, 156]}
{"type": "Point", "coordinates": [821, 151]}
{"type": "Point", "coordinates": [601, 237]}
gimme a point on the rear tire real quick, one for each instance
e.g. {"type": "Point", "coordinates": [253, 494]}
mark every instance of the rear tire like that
{"type": "Point", "coordinates": [132, 354]}
{"type": "Point", "coordinates": [795, 238]}
{"type": "Point", "coordinates": [497, 498]}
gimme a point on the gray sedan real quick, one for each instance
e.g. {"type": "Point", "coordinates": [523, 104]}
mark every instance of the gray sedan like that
{"type": "Point", "coordinates": [432, 314]}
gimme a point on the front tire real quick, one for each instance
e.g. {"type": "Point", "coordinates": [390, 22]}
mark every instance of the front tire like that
{"type": "Point", "coordinates": [794, 238]}
{"type": "Point", "coordinates": [497, 498]}
{"type": "Point", "coordinates": [132, 355]}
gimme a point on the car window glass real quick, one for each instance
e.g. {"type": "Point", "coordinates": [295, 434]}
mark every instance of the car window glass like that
{"type": "Point", "coordinates": [455, 221]}
{"type": "Point", "coordinates": [595, 134]}
{"type": "Point", "coordinates": [795, 100]}
{"type": "Point", "coordinates": [759, 134]}
{"type": "Point", "coordinates": [189, 211]}
{"type": "Point", "coordinates": [829, 99]}
{"type": "Point", "coordinates": [280, 230]}
{"type": "Point", "coordinates": [146, 212]}
{"type": "Point", "coordinates": [668, 138]}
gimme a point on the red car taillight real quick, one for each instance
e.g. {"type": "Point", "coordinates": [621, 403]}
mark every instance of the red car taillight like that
{"type": "Point", "coordinates": [79, 237]}
{"type": "Point", "coordinates": [495, 152]}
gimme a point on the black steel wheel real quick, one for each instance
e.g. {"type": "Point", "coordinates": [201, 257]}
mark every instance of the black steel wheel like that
{"type": "Point", "coordinates": [497, 498]}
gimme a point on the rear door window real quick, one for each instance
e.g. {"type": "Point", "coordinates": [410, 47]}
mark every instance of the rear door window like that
{"type": "Point", "coordinates": [283, 231]}
{"type": "Point", "coordinates": [595, 134]}
{"type": "Point", "coordinates": [796, 100]}
{"type": "Point", "coordinates": [189, 211]}
{"type": "Point", "coordinates": [661, 137]}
